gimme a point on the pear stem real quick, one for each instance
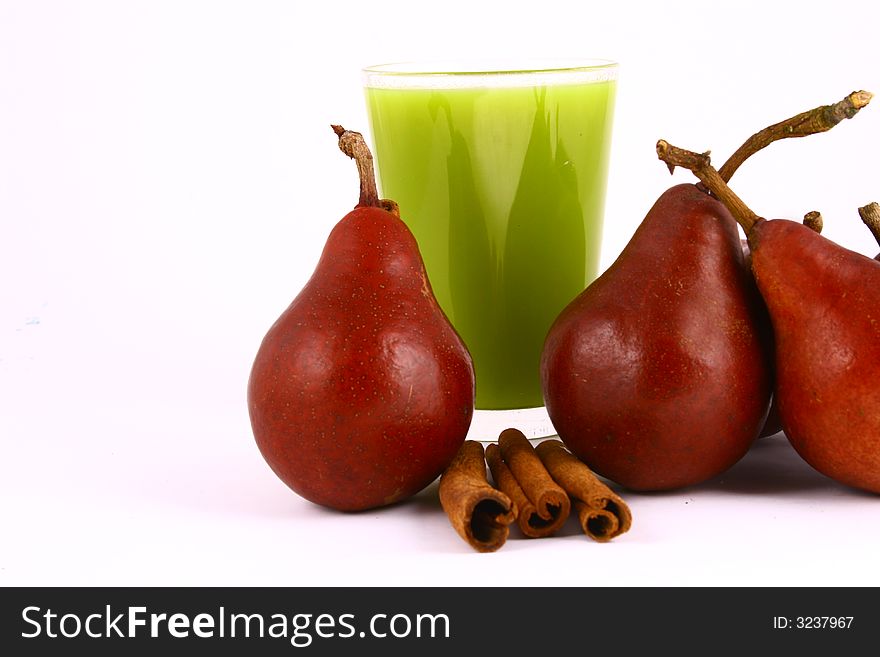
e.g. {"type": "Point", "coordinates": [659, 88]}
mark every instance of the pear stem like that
{"type": "Point", "coordinates": [701, 166]}
{"type": "Point", "coordinates": [811, 122]}
{"type": "Point", "coordinates": [353, 144]}
{"type": "Point", "coordinates": [870, 214]}
{"type": "Point", "coordinates": [813, 221]}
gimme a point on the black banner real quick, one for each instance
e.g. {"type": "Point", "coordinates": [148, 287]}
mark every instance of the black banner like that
{"type": "Point", "coordinates": [334, 621]}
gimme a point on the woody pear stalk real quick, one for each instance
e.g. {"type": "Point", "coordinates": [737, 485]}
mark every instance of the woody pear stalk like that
{"type": "Point", "coordinates": [701, 166]}
{"type": "Point", "coordinates": [811, 122]}
{"type": "Point", "coordinates": [353, 144]}
{"type": "Point", "coordinates": [870, 214]}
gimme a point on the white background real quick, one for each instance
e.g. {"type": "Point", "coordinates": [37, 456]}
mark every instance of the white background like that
{"type": "Point", "coordinates": [167, 180]}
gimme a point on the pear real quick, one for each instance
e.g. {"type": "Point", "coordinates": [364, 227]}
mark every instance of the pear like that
{"type": "Point", "coordinates": [825, 307]}
{"type": "Point", "coordinates": [656, 375]}
{"type": "Point", "coordinates": [824, 303]}
{"type": "Point", "coordinates": [773, 423]}
{"type": "Point", "coordinates": [362, 392]}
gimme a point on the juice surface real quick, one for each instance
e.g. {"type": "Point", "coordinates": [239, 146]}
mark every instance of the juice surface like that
{"type": "Point", "coordinates": [504, 190]}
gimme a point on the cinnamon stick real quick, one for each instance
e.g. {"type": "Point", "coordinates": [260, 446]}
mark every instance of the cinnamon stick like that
{"type": "Point", "coordinates": [542, 505]}
{"type": "Point", "coordinates": [603, 515]}
{"type": "Point", "coordinates": [478, 512]}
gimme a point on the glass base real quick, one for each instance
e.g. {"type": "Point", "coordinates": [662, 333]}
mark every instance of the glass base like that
{"type": "Point", "coordinates": [487, 425]}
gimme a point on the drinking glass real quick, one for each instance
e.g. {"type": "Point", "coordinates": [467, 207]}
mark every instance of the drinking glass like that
{"type": "Point", "coordinates": [500, 172]}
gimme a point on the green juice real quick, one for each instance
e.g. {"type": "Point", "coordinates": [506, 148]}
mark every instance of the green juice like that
{"type": "Point", "coordinates": [504, 190]}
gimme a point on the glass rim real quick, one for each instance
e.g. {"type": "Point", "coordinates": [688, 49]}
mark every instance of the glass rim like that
{"type": "Point", "coordinates": [450, 74]}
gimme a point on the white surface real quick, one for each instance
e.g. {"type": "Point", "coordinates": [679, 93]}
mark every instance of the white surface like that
{"type": "Point", "coordinates": [167, 180]}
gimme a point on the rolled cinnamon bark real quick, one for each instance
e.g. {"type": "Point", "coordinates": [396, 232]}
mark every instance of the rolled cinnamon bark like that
{"type": "Point", "coordinates": [479, 513]}
{"type": "Point", "coordinates": [542, 505]}
{"type": "Point", "coordinates": [603, 515]}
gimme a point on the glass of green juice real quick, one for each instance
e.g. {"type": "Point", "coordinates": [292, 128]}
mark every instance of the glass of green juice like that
{"type": "Point", "coordinates": [500, 172]}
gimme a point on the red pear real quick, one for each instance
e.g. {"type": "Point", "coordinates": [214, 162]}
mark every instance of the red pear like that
{"type": "Point", "coordinates": [824, 303]}
{"type": "Point", "coordinates": [362, 392]}
{"type": "Point", "coordinates": [656, 375]}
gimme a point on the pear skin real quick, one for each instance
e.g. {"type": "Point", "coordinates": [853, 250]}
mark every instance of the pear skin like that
{"type": "Point", "coordinates": [824, 302]}
{"type": "Point", "coordinates": [656, 375]}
